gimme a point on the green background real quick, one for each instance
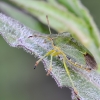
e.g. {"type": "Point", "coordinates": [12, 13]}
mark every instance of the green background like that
{"type": "Point", "coordinates": [18, 79]}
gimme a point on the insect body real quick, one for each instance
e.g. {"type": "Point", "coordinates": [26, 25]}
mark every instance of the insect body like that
{"type": "Point", "coordinates": [71, 51]}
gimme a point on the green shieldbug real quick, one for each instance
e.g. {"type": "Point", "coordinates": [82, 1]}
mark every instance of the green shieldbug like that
{"type": "Point", "coordinates": [75, 53]}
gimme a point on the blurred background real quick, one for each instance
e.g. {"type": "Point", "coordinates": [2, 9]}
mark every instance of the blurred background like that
{"type": "Point", "coordinates": [18, 79]}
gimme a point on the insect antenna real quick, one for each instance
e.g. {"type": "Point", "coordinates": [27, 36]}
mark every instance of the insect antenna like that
{"type": "Point", "coordinates": [49, 30]}
{"type": "Point", "coordinates": [48, 24]}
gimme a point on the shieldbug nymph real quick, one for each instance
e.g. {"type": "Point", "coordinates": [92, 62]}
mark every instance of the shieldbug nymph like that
{"type": "Point", "coordinates": [75, 53]}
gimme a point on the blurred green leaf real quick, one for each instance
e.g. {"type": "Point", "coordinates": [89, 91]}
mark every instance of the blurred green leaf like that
{"type": "Point", "coordinates": [22, 16]}
{"type": "Point", "coordinates": [80, 11]}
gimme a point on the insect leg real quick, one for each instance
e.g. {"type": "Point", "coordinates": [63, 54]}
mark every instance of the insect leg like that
{"type": "Point", "coordinates": [68, 73]}
{"type": "Point", "coordinates": [37, 62]}
{"type": "Point", "coordinates": [50, 66]}
{"type": "Point", "coordinates": [78, 65]}
{"type": "Point", "coordinates": [52, 54]}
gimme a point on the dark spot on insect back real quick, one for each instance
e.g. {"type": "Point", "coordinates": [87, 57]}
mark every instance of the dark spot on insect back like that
{"type": "Point", "coordinates": [90, 61]}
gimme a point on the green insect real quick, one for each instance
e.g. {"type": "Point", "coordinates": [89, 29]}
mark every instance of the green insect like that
{"type": "Point", "coordinates": [75, 53]}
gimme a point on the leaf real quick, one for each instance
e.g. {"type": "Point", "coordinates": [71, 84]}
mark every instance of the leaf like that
{"type": "Point", "coordinates": [17, 35]}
